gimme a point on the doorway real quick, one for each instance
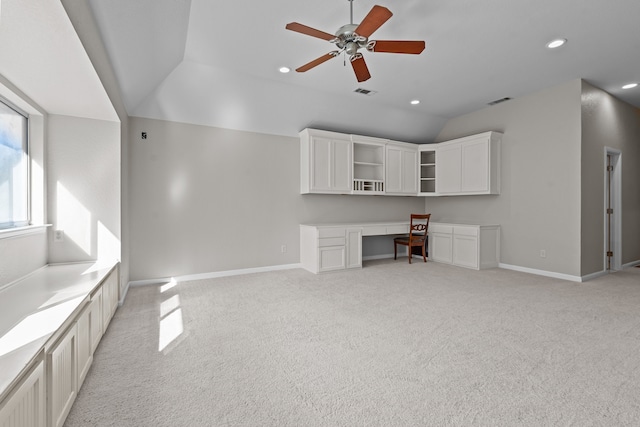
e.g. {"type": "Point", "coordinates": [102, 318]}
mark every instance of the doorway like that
{"type": "Point", "coordinates": [612, 209]}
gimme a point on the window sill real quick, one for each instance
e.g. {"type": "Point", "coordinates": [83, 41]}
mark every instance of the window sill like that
{"type": "Point", "coordinates": [23, 231]}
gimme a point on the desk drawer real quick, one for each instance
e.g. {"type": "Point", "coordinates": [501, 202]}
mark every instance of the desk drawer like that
{"type": "Point", "coordinates": [437, 228]}
{"type": "Point", "coordinates": [330, 232]}
{"type": "Point", "coordinates": [397, 229]}
{"type": "Point", "coordinates": [374, 230]}
{"type": "Point", "coordinates": [465, 231]}
{"type": "Point", "coordinates": [332, 241]}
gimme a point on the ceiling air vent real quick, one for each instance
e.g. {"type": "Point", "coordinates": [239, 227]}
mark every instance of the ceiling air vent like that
{"type": "Point", "coordinates": [498, 101]}
{"type": "Point", "coordinates": [365, 91]}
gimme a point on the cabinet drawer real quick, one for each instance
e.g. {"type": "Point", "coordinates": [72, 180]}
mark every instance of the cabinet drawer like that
{"type": "Point", "coordinates": [374, 230]}
{"type": "Point", "coordinates": [398, 229]}
{"type": "Point", "coordinates": [439, 228]}
{"type": "Point", "coordinates": [333, 241]}
{"type": "Point", "coordinates": [465, 231]}
{"type": "Point", "coordinates": [330, 232]}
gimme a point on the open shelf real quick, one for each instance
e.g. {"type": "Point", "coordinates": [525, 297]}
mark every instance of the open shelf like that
{"type": "Point", "coordinates": [428, 171]}
{"type": "Point", "coordinates": [368, 167]}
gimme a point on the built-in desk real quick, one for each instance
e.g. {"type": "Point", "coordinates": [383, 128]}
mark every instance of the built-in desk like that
{"type": "Point", "coordinates": [338, 246]}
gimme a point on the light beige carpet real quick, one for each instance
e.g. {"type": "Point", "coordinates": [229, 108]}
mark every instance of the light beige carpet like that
{"type": "Point", "coordinates": [392, 344]}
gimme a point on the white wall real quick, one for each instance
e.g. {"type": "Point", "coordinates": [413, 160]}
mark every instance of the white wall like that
{"type": "Point", "coordinates": [83, 179]}
{"type": "Point", "coordinates": [84, 23]}
{"type": "Point", "coordinates": [206, 199]}
{"type": "Point", "coordinates": [608, 122]}
{"type": "Point", "coordinates": [539, 205]}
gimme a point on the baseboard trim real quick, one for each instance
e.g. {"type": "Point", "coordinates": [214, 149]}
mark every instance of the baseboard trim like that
{"type": "Point", "coordinates": [594, 275]}
{"type": "Point", "coordinates": [541, 272]}
{"type": "Point", "coordinates": [213, 275]}
{"type": "Point", "coordinates": [631, 264]}
{"type": "Point", "coordinates": [375, 257]}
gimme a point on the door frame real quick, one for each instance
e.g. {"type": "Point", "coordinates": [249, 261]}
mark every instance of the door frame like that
{"type": "Point", "coordinates": [615, 191]}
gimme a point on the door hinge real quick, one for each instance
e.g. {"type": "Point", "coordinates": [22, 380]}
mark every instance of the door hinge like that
{"type": "Point", "coordinates": [609, 211]}
{"type": "Point", "coordinates": [609, 168]}
{"type": "Point", "coordinates": [609, 253]}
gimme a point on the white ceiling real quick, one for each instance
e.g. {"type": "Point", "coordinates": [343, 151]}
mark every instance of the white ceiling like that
{"type": "Point", "coordinates": [41, 54]}
{"type": "Point", "coordinates": [216, 63]}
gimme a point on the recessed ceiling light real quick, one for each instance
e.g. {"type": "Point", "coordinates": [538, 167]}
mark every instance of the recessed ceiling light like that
{"type": "Point", "coordinates": [630, 86]}
{"type": "Point", "coordinates": [556, 43]}
{"type": "Point", "coordinates": [415, 102]}
{"type": "Point", "coordinates": [284, 70]}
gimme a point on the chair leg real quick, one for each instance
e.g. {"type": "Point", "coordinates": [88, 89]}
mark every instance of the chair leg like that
{"type": "Point", "coordinates": [395, 250]}
{"type": "Point", "coordinates": [424, 254]}
{"type": "Point", "coordinates": [410, 252]}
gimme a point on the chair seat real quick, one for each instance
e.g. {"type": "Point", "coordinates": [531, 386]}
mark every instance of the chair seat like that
{"type": "Point", "coordinates": [405, 240]}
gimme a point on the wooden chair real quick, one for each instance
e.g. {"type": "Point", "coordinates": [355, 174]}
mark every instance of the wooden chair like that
{"type": "Point", "coordinates": [417, 236]}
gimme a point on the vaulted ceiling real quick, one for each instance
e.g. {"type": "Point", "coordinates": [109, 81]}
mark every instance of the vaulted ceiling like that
{"type": "Point", "coordinates": [216, 63]}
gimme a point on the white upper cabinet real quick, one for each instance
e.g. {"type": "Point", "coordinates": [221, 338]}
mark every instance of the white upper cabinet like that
{"type": "Point", "coordinates": [469, 165]}
{"type": "Point", "coordinates": [325, 162]}
{"type": "Point", "coordinates": [401, 177]}
{"type": "Point", "coordinates": [336, 163]}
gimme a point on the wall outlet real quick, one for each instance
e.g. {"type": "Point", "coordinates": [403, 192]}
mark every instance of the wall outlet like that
{"type": "Point", "coordinates": [58, 236]}
{"type": "Point", "coordinates": [543, 253]}
{"type": "Point", "coordinates": [283, 249]}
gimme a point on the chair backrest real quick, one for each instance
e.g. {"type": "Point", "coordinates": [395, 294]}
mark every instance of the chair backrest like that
{"type": "Point", "coordinates": [419, 225]}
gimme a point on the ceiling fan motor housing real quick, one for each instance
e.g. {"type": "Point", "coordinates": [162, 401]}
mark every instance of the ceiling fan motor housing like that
{"type": "Point", "coordinates": [349, 40]}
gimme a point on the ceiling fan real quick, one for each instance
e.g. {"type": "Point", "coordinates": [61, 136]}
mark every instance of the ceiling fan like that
{"type": "Point", "coordinates": [351, 37]}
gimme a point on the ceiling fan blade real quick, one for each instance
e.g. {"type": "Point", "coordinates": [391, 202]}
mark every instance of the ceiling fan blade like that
{"type": "Point", "coordinates": [377, 16]}
{"type": "Point", "coordinates": [318, 61]}
{"type": "Point", "coordinates": [299, 28]}
{"type": "Point", "coordinates": [360, 67]}
{"type": "Point", "coordinates": [396, 46]}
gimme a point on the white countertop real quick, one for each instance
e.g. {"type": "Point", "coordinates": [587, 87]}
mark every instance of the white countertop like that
{"type": "Point", "coordinates": [357, 224]}
{"type": "Point", "coordinates": [34, 308]}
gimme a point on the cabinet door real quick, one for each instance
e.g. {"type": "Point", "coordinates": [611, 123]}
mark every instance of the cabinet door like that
{"type": "Point", "coordinates": [62, 368]}
{"type": "Point", "coordinates": [109, 298]}
{"type": "Point", "coordinates": [354, 248]}
{"type": "Point", "coordinates": [465, 251]}
{"type": "Point", "coordinates": [475, 166]}
{"type": "Point", "coordinates": [401, 170]}
{"type": "Point", "coordinates": [330, 165]}
{"type": "Point", "coordinates": [410, 171]}
{"type": "Point", "coordinates": [448, 171]}
{"type": "Point", "coordinates": [95, 323]}
{"type": "Point", "coordinates": [85, 355]}
{"type": "Point", "coordinates": [331, 258]}
{"type": "Point", "coordinates": [341, 167]}
{"type": "Point", "coordinates": [393, 178]}
{"type": "Point", "coordinates": [25, 405]}
{"type": "Point", "coordinates": [440, 247]}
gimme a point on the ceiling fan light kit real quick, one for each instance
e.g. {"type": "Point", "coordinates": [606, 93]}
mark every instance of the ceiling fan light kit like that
{"type": "Point", "coordinates": [350, 38]}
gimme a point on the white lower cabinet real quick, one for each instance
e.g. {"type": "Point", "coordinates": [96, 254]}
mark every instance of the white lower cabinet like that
{"type": "Point", "coordinates": [471, 246]}
{"type": "Point", "coordinates": [465, 247]}
{"type": "Point", "coordinates": [25, 406]}
{"type": "Point", "coordinates": [324, 249]}
{"type": "Point", "coordinates": [441, 243]}
{"type": "Point", "coordinates": [62, 371]}
{"type": "Point", "coordinates": [44, 394]}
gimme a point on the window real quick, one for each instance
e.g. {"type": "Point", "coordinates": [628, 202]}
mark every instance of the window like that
{"type": "Point", "coordinates": [14, 167]}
